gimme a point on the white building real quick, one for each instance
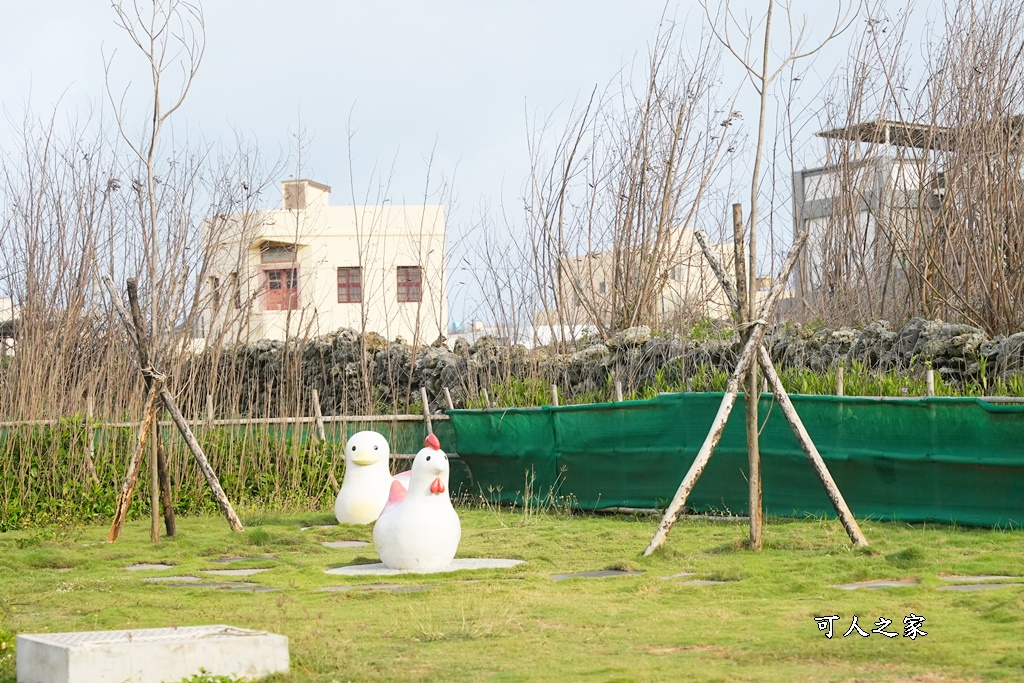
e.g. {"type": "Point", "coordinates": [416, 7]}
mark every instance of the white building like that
{"type": "Point", "coordinates": [859, 212]}
{"type": "Point", "coordinates": [310, 268]}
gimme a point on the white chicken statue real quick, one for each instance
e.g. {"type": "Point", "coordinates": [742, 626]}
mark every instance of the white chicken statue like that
{"type": "Point", "coordinates": [419, 529]}
{"type": "Point", "coordinates": [364, 490]}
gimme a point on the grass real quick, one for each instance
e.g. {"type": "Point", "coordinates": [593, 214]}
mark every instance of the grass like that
{"type": "Point", "coordinates": [519, 625]}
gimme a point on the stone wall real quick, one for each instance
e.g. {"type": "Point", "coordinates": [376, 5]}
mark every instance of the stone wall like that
{"type": "Point", "coordinates": [341, 366]}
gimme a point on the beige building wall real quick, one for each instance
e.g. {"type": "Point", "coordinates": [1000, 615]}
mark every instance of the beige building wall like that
{"type": "Point", "coordinates": [690, 290]}
{"type": "Point", "coordinates": [274, 274]}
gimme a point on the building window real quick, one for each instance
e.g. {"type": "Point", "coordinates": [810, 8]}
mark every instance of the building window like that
{"type": "Point", "coordinates": [215, 291]}
{"type": "Point", "coordinates": [409, 284]}
{"type": "Point", "coordinates": [350, 285]}
{"type": "Point", "coordinates": [601, 288]}
{"type": "Point", "coordinates": [280, 253]}
{"type": "Point", "coordinates": [281, 289]}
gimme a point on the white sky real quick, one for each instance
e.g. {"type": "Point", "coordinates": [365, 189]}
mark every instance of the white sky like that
{"type": "Point", "coordinates": [453, 76]}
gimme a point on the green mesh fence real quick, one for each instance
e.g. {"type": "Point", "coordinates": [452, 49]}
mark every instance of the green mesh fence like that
{"type": "Point", "coordinates": [939, 459]}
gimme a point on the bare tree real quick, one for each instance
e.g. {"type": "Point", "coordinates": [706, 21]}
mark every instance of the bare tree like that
{"type": "Point", "coordinates": [610, 216]}
{"type": "Point", "coordinates": [924, 174]}
{"type": "Point", "coordinates": [761, 74]}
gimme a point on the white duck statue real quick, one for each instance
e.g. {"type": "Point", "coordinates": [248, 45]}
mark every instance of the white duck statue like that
{"type": "Point", "coordinates": [419, 529]}
{"type": "Point", "coordinates": [367, 483]}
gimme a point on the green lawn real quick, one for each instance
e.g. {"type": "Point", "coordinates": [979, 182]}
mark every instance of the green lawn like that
{"type": "Point", "coordinates": [520, 625]}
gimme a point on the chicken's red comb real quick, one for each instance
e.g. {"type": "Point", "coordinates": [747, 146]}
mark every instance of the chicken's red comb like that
{"type": "Point", "coordinates": [432, 441]}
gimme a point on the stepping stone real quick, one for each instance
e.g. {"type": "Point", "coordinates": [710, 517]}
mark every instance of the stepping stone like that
{"type": "Point", "coordinates": [677, 576]}
{"type": "Point", "coordinates": [458, 564]}
{"type": "Point", "coordinates": [344, 544]}
{"type": "Point", "coordinates": [600, 574]}
{"type": "Point", "coordinates": [251, 589]}
{"type": "Point", "coordinates": [168, 579]}
{"type": "Point", "coordinates": [702, 582]}
{"type": "Point", "coordinates": [977, 586]}
{"type": "Point", "coordinates": [148, 567]}
{"type": "Point", "coordinates": [234, 572]}
{"type": "Point", "coordinates": [360, 587]}
{"type": "Point", "coordinates": [233, 586]}
{"type": "Point", "coordinates": [322, 526]}
{"type": "Point", "coordinates": [981, 577]}
{"type": "Point", "coordinates": [246, 559]}
{"type": "Point", "coordinates": [896, 583]}
{"type": "Point", "coordinates": [389, 587]}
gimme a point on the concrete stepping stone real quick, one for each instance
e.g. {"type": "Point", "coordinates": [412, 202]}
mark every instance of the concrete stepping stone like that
{"type": "Point", "coordinates": [321, 526]}
{"type": "Point", "coordinates": [977, 586]}
{"type": "Point", "coordinates": [883, 583]}
{"type": "Point", "coordinates": [458, 564]}
{"type": "Point", "coordinates": [148, 567]}
{"type": "Point", "coordinates": [239, 586]}
{"type": "Point", "coordinates": [245, 559]}
{"type": "Point", "coordinates": [980, 577]}
{"type": "Point", "coordinates": [389, 587]}
{"type": "Point", "coordinates": [703, 582]}
{"type": "Point", "coordinates": [170, 579]}
{"type": "Point", "coordinates": [599, 574]}
{"type": "Point", "coordinates": [344, 544]}
{"type": "Point", "coordinates": [234, 572]}
{"type": "Point", "coordinates": [682, 575]}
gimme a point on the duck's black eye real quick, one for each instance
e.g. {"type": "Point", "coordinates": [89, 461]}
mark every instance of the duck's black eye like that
{"type": "Point", "coordinates": [374, 448]}
{"type": "Point", "coordinates": [428, 457]}
{"type": "Point", "coordinates": [353, 449]}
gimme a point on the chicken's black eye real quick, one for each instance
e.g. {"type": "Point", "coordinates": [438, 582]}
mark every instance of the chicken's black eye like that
{"type": "Point", "coordinates": [428, 457]}
{"type": "Point", "coordinates": [353, 449]}
{"type": "Point", "coordinates": [374, 448]}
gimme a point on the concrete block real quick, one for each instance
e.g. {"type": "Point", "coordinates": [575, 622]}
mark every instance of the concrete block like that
{"type": "Point", "coordinates": [151, 655]}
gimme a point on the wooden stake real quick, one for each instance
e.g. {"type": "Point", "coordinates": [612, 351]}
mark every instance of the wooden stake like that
{"type": "Point", "coordinates": [448, 398]}
{"type": "Point", "coordinates": [426, 410]}
{"type": "Point", "coordinates": [554, 395]}
{"type": "Point", "coordinates": [487, 399]}
{"type": "Point", "coordinates": [320, 433]}
{"type": "Point", "coordinates": [618, 391]}
{"type": "Point", "coordinates": [929, 380]}
{"type": "Point", "coordinates": [810, 450]}
{"type": "Point", "coordinates": [204, 464]}
{"type": "Point", "coordinates": [764, 359]}
{"type": "Point", "coordinates": [90, 441]}
{"type": "Point", "coordinates": [209, 410]}
{"type": "Point", "coordinates": [840, 381]}
{"type": "Point", "coordinates": [154, 488]}
{"type": "Point", "coordinates": [166, 502]}
{"type": "Point", "coordinates": [754, 339]}
{"type": "Point", "coordinates": [125, 499]}
{"type": "Point", "coordinates": [135, 332]}
{"type": "Point", "coordinates": [321, 436]}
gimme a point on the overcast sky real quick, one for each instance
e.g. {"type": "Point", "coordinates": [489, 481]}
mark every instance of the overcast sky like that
{"type": "Point", "coordinates": [452, 78]}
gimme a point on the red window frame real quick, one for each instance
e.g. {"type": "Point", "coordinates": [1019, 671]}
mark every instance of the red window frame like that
{"type": "Point", "coordinates": [410, 281]}
{"type": "Point", "coordinates": [280, 289]}
{"type": "Point", "coordinates": [350, 285]}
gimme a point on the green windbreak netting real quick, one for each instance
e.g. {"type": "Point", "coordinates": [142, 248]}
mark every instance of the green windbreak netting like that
{"type": "Point", "coordinates": [938, 459]}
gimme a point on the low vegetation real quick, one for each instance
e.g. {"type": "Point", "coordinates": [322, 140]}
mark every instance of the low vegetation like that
{"type": "Point", "coordinates": [521, 625]}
